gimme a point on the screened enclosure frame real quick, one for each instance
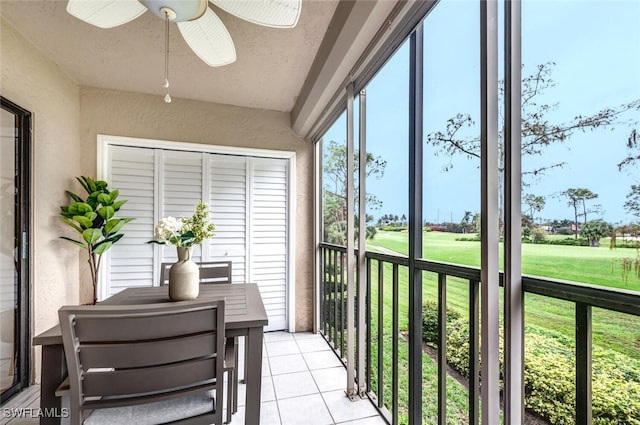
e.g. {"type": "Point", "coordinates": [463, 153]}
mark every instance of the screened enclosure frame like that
{"type": "Point", "coordinates": [412, 28]}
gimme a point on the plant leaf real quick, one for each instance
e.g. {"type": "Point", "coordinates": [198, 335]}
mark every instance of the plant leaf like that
{"type": "Point", "coordinates": [104, 199]}
{"type": "Point", "coordinates": [92, 235]}
{"type": "Point", "coordinates": [106, 212]}
{"type": "Point", "coordinates": [71, 223]}
{"type": "Point", "coordinates": [83, 182]}
{"type": "Point", "coordinates": [112, 238]}
{"type": "Point", "coordinates": [102, 247]}
{"type": "Point", "coordinates": [80, 244]}
{"type": "Point", "coordinates": [84, 221]}
{"type": "Point", "coordinates": [91, 183]}
{"type": "Point", "coordinates": [113, 195]}
{"type": "Point", "coordinates": [80, 208]}
{"type": "Point", "coordinates": [91, 215]}
{"type": "Point", "coordinates": [116, 205]}
{"type": "Point", "coordinates": [102, 185]}
{"type": "Point", "coordinates": [114, 225]}
{"type": "Point", "coordinates": [74, 196]}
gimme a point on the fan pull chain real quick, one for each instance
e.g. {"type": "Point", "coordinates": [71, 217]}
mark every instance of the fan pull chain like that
{"type": "Point", "coordinates": [167, 97]}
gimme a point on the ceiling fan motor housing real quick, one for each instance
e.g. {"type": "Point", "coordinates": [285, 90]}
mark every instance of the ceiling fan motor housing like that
{"type": "Point", "coordinates": [176, 10]}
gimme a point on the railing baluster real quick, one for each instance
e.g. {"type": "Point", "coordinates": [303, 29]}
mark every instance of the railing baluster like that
{"type": "Point", "coordinates": [395, 328]}
{"type": "Point", "coordinates": [442, 349]}
{"type": "Point", "coordinates": [321, 297]}
{"type": "Point", "coordinates": [380, 333]}
{"type": "Point", "coordinates": [323, 273]}
{"type": "Point", "coordinates": [474, 361]}
{"type": "Point", "coordinates": [335, 299]}
{"type": "Point", "coordinates": [342, 313]}
{"type": "Point", "coordinates": [368, 319]}
{"type": "Point", "coordinates": [356, 291]}
{"type": "Point", "coordinates": [583, 364]}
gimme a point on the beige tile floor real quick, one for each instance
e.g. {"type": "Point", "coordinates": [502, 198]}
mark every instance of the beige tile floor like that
{"type": "Point", "coordinates": [302, 384]}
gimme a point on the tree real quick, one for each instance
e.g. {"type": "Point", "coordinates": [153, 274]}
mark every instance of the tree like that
{"type": "Point", "coordinates": [594, 230]}
{"type": "Point", "coordinates": [537, 128]}
{"type": "Point", "coordinates": [335, 190]}
{"type": "Point", "coordinates": [575, 199]}
{"type": "Point", "coordinates": [633, 150]}
{"type": "Point", "coordinates": [535, 204]}
{"type": "Point", "coordinates": [465, 223]}
{"type": "Point", "coordinates": [632, 205]}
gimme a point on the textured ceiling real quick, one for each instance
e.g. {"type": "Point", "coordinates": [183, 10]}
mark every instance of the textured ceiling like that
{"type": "Point", "coordinates": [269, 72]}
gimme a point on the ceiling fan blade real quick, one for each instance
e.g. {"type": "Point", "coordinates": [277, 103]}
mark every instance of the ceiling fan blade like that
{"type": "Point", "coordinates": [105, 13]}
{"type": "Point", "coordinates": [209, 39]}
{"type": "Point", "coordinates": [269, 13]}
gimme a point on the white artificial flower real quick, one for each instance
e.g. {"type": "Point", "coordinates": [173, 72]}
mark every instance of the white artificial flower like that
{"type": "Point", "coordinates": [167, 227]}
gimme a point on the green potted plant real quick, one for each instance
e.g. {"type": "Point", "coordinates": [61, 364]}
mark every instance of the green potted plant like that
{"type": "Point", "coordinates": [94, 219]}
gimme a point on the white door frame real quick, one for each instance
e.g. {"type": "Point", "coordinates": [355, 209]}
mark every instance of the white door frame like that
{"type": "Point", "coordinates": [103, 157]}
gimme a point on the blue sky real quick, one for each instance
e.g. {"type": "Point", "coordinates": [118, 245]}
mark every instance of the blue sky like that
{"type": "Point", "coordinates": [596, 49]}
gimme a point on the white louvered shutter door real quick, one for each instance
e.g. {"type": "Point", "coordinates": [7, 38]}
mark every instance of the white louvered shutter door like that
{"type": "Point", "coordinates": [228, 204]}
{"type": "Point", "coordinates": [248, 200]}
{"type": "Point", "coordinates": [181, 190]}
{"type": "Point", "coordinates": [268, 251]}
{"type": "Point", "coordinates": [130, 261]}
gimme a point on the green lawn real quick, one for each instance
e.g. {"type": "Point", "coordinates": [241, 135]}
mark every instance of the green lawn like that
{"type": "Point", "coordinates": [599, 266]}
{"type": "Point", "coordinates": [617, 331]}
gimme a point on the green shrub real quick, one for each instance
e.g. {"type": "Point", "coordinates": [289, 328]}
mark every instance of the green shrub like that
{"type": "Point", "coordinates": [568, 241]}
{"type": "Point", "coordinates": [627, 244]}
{"type": "Point", "coordinates": [393, 228]}
{"type": "Point", "coordinates": [539, 235]}
{"type": "Point", "coordinates": [430, 320]}
{"type": "Point", "coordinates": [564, 231]}
{"type": "Point", "coordinates": [549, 375]}
{"type": "Point", "coordinates": [469, 239]}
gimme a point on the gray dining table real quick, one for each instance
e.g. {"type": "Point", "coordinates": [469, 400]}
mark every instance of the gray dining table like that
{"type": "Point", "coordinates": [245, 315]}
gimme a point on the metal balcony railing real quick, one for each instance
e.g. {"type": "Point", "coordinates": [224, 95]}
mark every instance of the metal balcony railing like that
{"type": "Point", "coordinates": [386, 395]}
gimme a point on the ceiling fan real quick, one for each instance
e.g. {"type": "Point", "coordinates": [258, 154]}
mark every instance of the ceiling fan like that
{"type": "Point", "coordinates": [201, 28]}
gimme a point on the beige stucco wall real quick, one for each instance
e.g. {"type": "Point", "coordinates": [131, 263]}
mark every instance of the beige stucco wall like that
{"type": "Point", "coordinates": [35, 83]}
{"type": "Point", "coordinates": [66, 121]}
{"type": "Point", "coordinates": [145, 116]}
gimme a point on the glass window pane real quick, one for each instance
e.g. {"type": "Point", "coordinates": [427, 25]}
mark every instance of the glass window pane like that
{"type": "Point", "coordinates": [452, 133]}
{"type": "Point", "coordinates": [581, 111]}
{"type": "Point", "coordinates": [334, 182]}
{"type": "Point", "coordinates": [8, 276]}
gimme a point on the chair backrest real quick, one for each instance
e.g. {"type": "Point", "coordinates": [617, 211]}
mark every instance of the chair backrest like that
{"type": "Point", "coordinates": [134, 354]}
{"type": "Point", "coordinates": [210, 272]}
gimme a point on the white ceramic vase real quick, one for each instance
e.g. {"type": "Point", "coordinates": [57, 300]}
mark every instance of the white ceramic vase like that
{"type": "Point", "coordinates": [184, 277]}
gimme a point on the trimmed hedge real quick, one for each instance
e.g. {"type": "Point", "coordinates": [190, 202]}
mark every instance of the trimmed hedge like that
{"type": "Point", "coordinates": [393, 228]}
{"type": "Point", "coordinates": [567, 241]}
{"type": "Point", "coordinates": [549, 375]}
{"type": "Point", "coordinates": [430, 321]}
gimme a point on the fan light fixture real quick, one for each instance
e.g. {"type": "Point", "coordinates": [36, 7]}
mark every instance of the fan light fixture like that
{"type": "Point", "coordinates": [176, 10]}
{"type": "Point", "coordinates": [200, 27]}
{"type": "Point", "coordinates": [168, 15]}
